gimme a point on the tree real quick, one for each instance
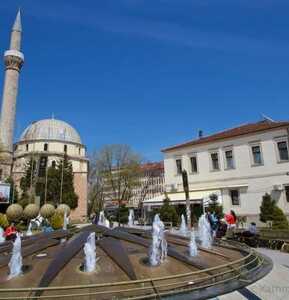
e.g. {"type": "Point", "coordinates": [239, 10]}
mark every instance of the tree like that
{"type": "Point", "coordinates": [168, 212]}
{"type": "Point", "coordinates": [58, 186]}
{"type": "Point", "coordinates": [67, 193]}
{"type": "Point", "coordinates": [123, 213]}
{"type": "Point", "coordinates": [28, 179]}
{"type": "Point", "coordinates": [118, 170]}
{"type": "Point", "coordinates": [267, 208]}
{"type": "Point", "coordinates": [279, 219]}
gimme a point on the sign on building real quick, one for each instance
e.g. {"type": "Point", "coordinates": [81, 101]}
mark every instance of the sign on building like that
{"type": "Point", "coordinates": [4, 192]}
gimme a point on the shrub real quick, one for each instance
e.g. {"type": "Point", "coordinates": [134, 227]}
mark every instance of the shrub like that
{"type": "Point", "coordinates": [56, 221]}
{"type": "Point", "coordinates": [47, 210]}
{"type": "Point", "coordinates": [31, 211]}
{"type": "Point", "coordinates": [123, 214]}
{"type": "Point", "coordinates": [14, 212]}
{"type": "Point", "coordinates": [267, 208]}
{"type": "Point", "coordinates": [168, 212]}
{"type": "Point", "coordinates": [62, 208]}
{"type": "Point", "coordinates": [3, 221]}
{"type": "Point", "coordinates": [279, 219]}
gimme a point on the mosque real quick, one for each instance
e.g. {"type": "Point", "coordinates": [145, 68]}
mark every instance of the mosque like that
{"type": "Point", "coordinates": [45, 141]}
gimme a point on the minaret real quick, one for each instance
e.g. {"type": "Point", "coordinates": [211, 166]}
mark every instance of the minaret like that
{"type": "Point", "coordinates": [13, 59]}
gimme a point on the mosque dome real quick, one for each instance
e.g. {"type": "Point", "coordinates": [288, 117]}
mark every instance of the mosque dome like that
{"type": "Point", "coordinates": [50, 129]}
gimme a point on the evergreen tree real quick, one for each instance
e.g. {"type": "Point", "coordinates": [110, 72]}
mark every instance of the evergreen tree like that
{"type": "Point", "coordinates": [53, 185]}
{"type": "Point", "coordinates": [123, 213]}
{"type": "Point", "coordinates": [25, 182]}
{"type": "Point", "coordinates": [168, 212]}
{"type": "Point", "coordinates": [69, 196]}
{"type": "Point", "coordinates": [279, 219]}
{"type": "Point", "coordinates": [267, 208]}
{"type": "Point", "coordinates": [59, 178]}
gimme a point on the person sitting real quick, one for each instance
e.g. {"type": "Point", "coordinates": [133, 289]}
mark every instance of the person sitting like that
{"type": "Point", "coordinates": [231, 220]}
{"type": "Point", "coordinates": [221, 229]}
{"type": "Point", "coordinates": [252, 230]}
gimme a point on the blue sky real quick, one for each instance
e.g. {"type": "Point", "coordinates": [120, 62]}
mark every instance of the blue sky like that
{"type": "Point", "coordinates": [150, 73]}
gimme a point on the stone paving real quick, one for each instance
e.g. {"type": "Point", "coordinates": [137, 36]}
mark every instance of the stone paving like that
{"type": "Point", "coordinates": [274, 286]}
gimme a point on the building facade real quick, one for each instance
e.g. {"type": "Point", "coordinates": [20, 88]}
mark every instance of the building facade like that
{"type": "Point", "coordinates": [240, 165]}
{"type": "Point", "coordinates": [46, 142]}
{"type": "Point", "coordinates": [151, 183]}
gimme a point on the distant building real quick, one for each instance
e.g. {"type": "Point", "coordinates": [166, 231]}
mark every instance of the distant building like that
{"type": "Point", "coordinates": [239, 165]}
{"type": "Point", "coordinates": [150, 184]}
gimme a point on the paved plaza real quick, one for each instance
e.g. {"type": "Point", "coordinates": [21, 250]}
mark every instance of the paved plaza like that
{"type": "Point", "coordinates": [274, 286]}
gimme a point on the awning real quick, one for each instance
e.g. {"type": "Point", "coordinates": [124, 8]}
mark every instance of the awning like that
{"type": "Point", "coordinates": [180, 197]}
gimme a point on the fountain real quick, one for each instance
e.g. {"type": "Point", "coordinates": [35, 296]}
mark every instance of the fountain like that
{"type": "Point", "coordinates": [103, 221]}
{"type": "Point", "coordinates": [29, 230]}
{"type": "Point", "coordinates": [2, 237]}
{"type": "Point", "coordinates": [131, 218]}
{"type": "Point", "coordinates": [65, 221]}
{"type": "Point", "coordinates": [158, 251]}
{"type": "Point", "coordinates": [183, 228]}
{"type": "Point", "coordinates": [193, 245]}
{"type": "Point", "coordinates": [90, 255]}
{"type": "Point", "coordinates": [15, 264]}
{"type": "Point", "coordinates": [204, 231]}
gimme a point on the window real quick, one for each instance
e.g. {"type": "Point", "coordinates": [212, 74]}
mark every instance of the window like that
{"type": "Point", "coordinates": [65, 149]}
{"type": "Point", "coordinates": [215, 161]}
{"type": "Point", "coordinates": [45, 147]}
{"type": "Point", "coordinates": [194, 165]}
{"type": "Point", "coordinates": [53, 164]}
{"type": "Point", "coordinates": [257, 155]}
{"type": "Point", "coordinates": [27, 147]}
{"type": "Point", "coordinates": [287, 192]}
{"type": "Point", "coordinates": [179, 166]}
{"type": "Point", "coordinates": [283, 150]}
{"type": "Point", "coordinates": [229, 159]}
{"type": "Point", "coordinates": [1, 174]}
{"type": "Point", "coordinates": [235, 197]}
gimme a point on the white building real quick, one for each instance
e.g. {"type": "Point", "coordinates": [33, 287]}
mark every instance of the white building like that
{"type": "Point", "coordinates": [240, 165]}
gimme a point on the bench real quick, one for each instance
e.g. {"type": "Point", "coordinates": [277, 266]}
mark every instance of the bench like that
{"type": "Point", "coordinates": [268, 238]}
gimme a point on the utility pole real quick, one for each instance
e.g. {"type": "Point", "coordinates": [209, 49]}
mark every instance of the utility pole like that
{"type": "Point", "coordinates": [188, 205]}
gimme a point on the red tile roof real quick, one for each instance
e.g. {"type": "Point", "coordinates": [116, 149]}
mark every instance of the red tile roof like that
{"type": "Point", "coordinates": [153, 166]}
{"type": "Point", "coordinates": [246, 129]}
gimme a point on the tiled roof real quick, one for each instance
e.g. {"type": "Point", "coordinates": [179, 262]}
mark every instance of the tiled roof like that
{"type": "Point", "coordinates": [153, 166]}
{"type": "Point", "coordinates": [246, 129]}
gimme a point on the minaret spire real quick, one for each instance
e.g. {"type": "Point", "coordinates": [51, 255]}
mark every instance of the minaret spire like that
{"type": "Point", "coordinates": [17, 24]}
{"type": "Point", "coordinates": [15, 43]}
{"type": "Point", "coordinates": [13, 60]}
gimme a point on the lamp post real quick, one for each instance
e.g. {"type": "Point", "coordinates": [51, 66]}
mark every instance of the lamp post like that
{"type": "Point", "coordinates": [186, 190]}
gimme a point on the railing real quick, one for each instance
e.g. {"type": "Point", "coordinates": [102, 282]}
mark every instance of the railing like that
{"type": "Point", "coordinates": [148, 288]}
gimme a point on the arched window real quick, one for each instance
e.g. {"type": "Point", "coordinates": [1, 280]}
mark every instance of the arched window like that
{"type": "Point", "coordinates": [65, 148]}
{"type": "Point", "coordinates": [45, 147]}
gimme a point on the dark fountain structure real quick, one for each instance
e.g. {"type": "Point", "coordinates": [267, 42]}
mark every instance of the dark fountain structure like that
{"type": "Point", "coordinates": [53, 267]}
